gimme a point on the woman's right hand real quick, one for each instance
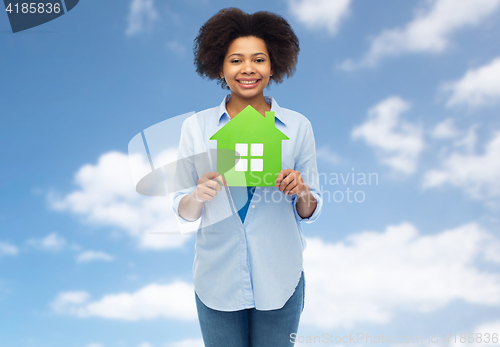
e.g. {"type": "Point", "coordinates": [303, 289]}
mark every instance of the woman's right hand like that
{"type": "Point", "coordinates": [208, 186]}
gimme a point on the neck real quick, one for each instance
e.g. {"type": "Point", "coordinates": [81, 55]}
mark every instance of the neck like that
{"type": "Point", "coordinates": [237, 104]}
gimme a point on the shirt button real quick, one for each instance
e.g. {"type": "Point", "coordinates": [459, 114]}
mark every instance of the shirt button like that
{"type": "Point", "coordinates": [253, 206]}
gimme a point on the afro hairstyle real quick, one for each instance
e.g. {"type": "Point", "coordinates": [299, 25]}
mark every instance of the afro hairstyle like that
{"type": "Point", "coordinates": [215, 36]}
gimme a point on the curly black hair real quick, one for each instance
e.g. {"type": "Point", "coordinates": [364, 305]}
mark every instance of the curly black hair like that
{"type": "Point", "coordinates": [215, 36]}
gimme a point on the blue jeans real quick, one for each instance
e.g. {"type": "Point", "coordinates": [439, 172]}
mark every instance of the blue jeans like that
{"type": "Point", "coordinates": [251, 327]}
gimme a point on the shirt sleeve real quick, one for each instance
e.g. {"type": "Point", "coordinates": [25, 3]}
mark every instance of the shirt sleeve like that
{"type": "Point", "coordinates": [186, 177]}
{"type": "Point", "coordinates": [307, 166]}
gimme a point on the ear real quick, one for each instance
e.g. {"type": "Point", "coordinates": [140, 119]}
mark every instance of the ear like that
{"type": "Point", "coordinates": [272, 71]}
{"type": "Point", "coordinates": [221, 74]}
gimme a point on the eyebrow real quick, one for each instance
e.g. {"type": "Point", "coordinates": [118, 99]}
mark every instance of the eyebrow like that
{"type": "Point", "coordinates": [252, 54]}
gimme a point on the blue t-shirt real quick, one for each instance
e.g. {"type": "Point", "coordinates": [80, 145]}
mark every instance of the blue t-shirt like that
{"type": "Point", "coordinates": [242, 196]}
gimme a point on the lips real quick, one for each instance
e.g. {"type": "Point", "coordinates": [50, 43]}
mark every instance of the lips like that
{"type": "Point", "coordinates": [248, 83]}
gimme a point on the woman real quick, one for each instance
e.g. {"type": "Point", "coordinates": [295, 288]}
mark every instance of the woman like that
{"type": "Point", "coordinates": [248, 273]}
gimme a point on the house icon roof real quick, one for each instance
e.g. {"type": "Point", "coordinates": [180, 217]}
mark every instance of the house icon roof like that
{"type": "Point", "coordinates": [249, 149]}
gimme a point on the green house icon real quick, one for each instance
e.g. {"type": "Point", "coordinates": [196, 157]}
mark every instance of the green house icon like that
{"type": "Point", "coordinates": [249, 149]}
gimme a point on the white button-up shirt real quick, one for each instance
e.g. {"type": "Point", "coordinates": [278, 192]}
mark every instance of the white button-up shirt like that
{"type": "Point", "coordinates": [257, 263]}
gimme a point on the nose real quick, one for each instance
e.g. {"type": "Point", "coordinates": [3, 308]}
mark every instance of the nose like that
{"type": "Point", "coordinates": [247, 67]}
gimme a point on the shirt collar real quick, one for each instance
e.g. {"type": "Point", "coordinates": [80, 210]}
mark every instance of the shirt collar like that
{"type": "Point", "coordinates": [278, 112]}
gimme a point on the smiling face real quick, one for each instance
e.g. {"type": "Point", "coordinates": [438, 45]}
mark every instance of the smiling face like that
{"type": "Point", "coordinates": [247, 67]}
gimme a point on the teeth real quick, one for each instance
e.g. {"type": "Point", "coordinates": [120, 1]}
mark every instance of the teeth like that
{"type": "Point", "coordinates": [248, 82]}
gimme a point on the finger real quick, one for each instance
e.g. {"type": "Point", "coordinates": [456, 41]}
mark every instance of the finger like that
{"type": "Point", "coordinates": [286, 181]}
{"type": "Point", "coordinates": [205, 177]}
{"type": "Point", "coordinates": [281, 175]}
{"type": "Point", "coordinates": [212, 176]}
{"type": "Point", "coordinates": [279, 178]}
{"type": "Point", "coordinates": [200, 196]}
{"type": "Point", "coordinates": [289, 187]}
{"type": "Point", "coordinates": [205, 197]}
{"type": "Point", "coordinates": [207, 193]}
{"type": "Point", "coordinates": [221, 179]}
{"type": "Point", "coordinates": [300, 190]}
{"type": "Point", "coordinates": [214, 185]}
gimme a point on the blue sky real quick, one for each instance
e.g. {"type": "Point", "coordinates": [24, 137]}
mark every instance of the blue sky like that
{"type": "Point", "coordinates": [408, 91]}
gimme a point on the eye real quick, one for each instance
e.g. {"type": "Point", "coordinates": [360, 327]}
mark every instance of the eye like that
{"type": "Point", "coordinates": [235, 61]}
{"type": "Point", "coordinates": [260, 60]}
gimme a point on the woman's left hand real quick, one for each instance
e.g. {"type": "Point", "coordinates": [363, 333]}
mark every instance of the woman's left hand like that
{"type": "Point", "coordinates": [290, 182]}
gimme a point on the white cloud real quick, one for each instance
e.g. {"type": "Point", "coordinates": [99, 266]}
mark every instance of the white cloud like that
{"type": "Point", "coordinates": [8, 249]}
{"type": "Point", "coordinates": [445, 130]}
{"type": "Point", "coordinates": [187, 343]}
{"type": "Point", "coordinates": [320, 14]}
{"type": "Point", "coordinates": [477, 174]}
{"type": "Point", "coordinates": [51, 242]}
{"type": "Point", "coordinates": [486, 330]}
{"type": "Point", "coordinates": [174, 301]}
{"type": "Point", "coordinates": [106, 196]}
{"type": "Point", "coordinates": [370, 276]}
{"type": "Point", "coordinates": [67, 299]}
{"type": "Point", "coordinates": [142, 15]}
{"type": "Point", "coordinates": [398, 143]}
{"type": "Point", "coordinates": [479, 87]}
{"type": "Point", "coordinates": [429, 32]}
{"type": "Point", "coordinates": [95, 344]}
{"type": "Point", "coordinates": [468, 141]}
{"type": "Point", "coordinates": [93, 255]}
{"type": "Point", "coordinates": [145, 344]}
{"type": "Point", "coordinates": [326, 154]}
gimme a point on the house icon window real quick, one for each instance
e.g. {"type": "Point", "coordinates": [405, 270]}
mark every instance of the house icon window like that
{"type": "Point", "coordinates": [256, 150]}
